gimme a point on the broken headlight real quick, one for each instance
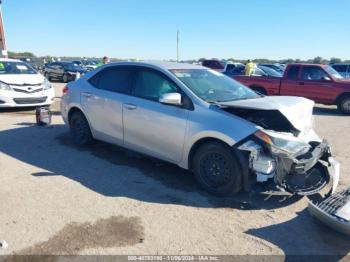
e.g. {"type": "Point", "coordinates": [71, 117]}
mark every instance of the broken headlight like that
{"type": "Point", "coordinates": [283, 144]}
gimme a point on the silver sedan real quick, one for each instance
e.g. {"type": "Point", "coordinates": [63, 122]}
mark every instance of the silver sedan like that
{"type": "Point", "coordinates": [201, 120]}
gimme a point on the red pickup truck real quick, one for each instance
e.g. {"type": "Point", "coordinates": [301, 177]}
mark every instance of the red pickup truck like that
{"type": "Point", "coordinates": [320, 83]}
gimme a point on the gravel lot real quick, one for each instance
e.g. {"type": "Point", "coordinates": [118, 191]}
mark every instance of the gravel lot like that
{"type": "Point", "coordinates": [60, 199]}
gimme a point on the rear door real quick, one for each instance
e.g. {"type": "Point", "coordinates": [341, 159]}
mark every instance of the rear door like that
{"type": "Point", "coordinates": [151, 127]}
{"type": "Point", "coordinates": [290, 82]}
{"type": "Point", "coordinates": [103, 99]}
{"type": "Point", "coordinates": [313, 84]}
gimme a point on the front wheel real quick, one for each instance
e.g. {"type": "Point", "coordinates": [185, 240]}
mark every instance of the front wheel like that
{"type": "Point", "coordinates": [344, 105]}
{"type": "Point", "coordinates": [65, 78]}
{"type": "Point", "coordinates": [217, 169]}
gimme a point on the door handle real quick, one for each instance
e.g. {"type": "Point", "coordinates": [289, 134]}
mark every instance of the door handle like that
{"type": "Point", "coordinates": [130, 106]}
{"type": "Point", "coordinates": [301, 83]}
{"type": "Point", "coordinates": [86, 94]}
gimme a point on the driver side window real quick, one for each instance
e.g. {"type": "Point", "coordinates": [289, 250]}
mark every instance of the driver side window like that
{"type": "Point", "coordinates": [313, 73]}
{"type": "Point", "coordinates": [151, 85]}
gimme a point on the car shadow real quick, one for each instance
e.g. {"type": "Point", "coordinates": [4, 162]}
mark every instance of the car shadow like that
{"type": "Point", "coordinates": [327, 111]}
{"type": "Point", "coordinates": [115, 172]}
{"type": "Point", "coordinates": [25, 111]}
{"type": "Point", "coordinates": [304, 234]}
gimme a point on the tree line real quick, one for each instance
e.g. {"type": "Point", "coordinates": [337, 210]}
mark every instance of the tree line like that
{"type": "Point", "coordinates": [316, 60]}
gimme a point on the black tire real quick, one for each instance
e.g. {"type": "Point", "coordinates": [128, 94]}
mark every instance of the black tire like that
{"type": "Point", "coordinates": [217, 170]}
{"type": "Point", "coordinates": [80, 129]}
{"type": "Point", "coordinates": [259, 90]}
{"type": "Point", "coordinates": [344, 105]}
{"type": "Point", "coordinates": [65, 78]}
{"type": "Point", "coordinates": [47, 75]}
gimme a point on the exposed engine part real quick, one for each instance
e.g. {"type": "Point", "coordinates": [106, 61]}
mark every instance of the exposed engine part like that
{"type": "Point", "coordinates": [268, 119]}
{"type": "Point", "coordinates": [264, 164]}
{"type": "Point", "coordinates": [306, 174]}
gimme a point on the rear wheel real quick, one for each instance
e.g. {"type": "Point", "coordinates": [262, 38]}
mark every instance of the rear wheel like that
{"type": "Point", "coordinates": [344, 105]}
{"type": "Point", "coordinates": [217, 170]}
{"type": "Point", "coordinates": [80, 129]}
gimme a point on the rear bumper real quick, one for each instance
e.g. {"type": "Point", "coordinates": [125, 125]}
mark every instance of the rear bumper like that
{"type": "Point", "coordinates": [333, 211]}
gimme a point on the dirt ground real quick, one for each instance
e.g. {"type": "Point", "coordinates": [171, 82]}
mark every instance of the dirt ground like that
{"type": "Point", "coordinates": [60, 199]}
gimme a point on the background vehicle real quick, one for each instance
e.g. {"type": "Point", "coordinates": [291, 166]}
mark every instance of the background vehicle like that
{"type": "Point", "coordinates": [89, 65]}
{"type": "Point", "coordinates": [214, 64]}
{"type": "Point", "coordinates": [320, 83]}
{"type": "Point", "coordinates": [258, 71]}
{"type": "Point", "coordinates": [343, 69]}
{"type": "Point", "coordinates": [21, 85]}
{"type": "Point", "coordinates": [276, 67]}
{"type": "Point", "coordinates": [65, 71]}
{"type": "Point", "coordinates": [201, 120]}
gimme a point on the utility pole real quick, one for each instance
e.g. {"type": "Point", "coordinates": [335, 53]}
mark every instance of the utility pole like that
{"type": "Point", "coordinates": [2, 35]}
{"type": "Point", "coordinates": [177, 45]}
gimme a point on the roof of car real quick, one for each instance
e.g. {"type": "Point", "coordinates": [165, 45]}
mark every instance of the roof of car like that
{"type": "Point", "coordinates": [163, 65]}
{"type": "Point", "coordinates": [9, 60]}
{"type": "Point", "coordinates": [307, 64]}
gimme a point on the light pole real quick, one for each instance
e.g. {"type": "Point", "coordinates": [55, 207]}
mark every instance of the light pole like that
{"type": "Point", "coordinates": [2, 35]}
{"type": "Point", "coordinates": [177, 45]}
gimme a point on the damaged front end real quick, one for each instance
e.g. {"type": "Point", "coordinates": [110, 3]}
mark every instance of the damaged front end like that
{"type": "Point", "coordinates": [295, 166]}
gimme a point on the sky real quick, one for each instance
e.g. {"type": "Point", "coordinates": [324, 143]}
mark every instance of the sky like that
{"type": "Point", "coordinates": [146, 29]}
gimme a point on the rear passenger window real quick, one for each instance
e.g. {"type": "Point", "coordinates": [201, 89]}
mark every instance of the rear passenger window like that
{"type": "Point", "coordinates": [293, 72]}
{"type": "Point", "coordinates": [113, 79]}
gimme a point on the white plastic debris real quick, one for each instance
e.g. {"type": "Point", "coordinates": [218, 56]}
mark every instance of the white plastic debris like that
{"type": "Point", "coordinates": [3, 244]}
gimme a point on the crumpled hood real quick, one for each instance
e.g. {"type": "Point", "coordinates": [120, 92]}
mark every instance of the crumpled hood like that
{"type": "Point", "coordinates": [297, 110]}
{"type": "Point", "coordinates": [22, 79]}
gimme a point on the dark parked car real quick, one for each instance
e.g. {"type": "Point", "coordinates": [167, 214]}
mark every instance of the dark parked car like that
{"type": "Point", "coordinates": [342, 69]}
{"type": "Point", "coordinates": [214, 64]}
{"type": "Point", "coordinates": [275, 67]}
{"type": "Point", "coordinates": [65, 71]}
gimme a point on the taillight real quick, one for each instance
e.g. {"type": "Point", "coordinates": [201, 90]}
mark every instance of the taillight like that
{"type": "Point", "coordinates": [65, 90]}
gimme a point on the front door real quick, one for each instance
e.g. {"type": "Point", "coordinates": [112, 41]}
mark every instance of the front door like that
{"type": "Point", "coordinates": [151, 127]}
{"type": "Point", "coordinates": [315, 84]}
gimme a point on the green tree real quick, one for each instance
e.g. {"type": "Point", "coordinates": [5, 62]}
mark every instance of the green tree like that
{"type": "Point", "coordinates": [335, 60]}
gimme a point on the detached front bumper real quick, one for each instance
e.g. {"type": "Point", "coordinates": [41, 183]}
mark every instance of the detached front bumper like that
{"type": "Point", "coordinates": [334, 211]}
{"type": "Point", "coordinates": [307, 174]}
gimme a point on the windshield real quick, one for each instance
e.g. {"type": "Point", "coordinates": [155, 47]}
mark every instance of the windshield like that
{"type": "Point", "coordinates": [16, 68]}
{"type": "Point", "coordinates": [212, 86]}
{"type": "Point", "coordinates": [73, 66]}
{"type": "Point", "coordinates": [270, 71]}
{"type": "Point", "coordinates": [330, 70]}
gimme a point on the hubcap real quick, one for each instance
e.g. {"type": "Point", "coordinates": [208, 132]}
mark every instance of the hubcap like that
{"type": "Point", "coordinates": [215, 170]}
{"type": "Point", "coordinates": [346, 105]}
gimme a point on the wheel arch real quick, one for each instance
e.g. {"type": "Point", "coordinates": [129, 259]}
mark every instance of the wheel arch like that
{"type": "Point", "coordinates": [256, 87]}
{"type": "Point", "coordinates": [242, 159]}
{"type": "Point", "coordinates": [342, 95]}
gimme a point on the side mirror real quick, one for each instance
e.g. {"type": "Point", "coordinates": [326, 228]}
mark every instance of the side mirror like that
{"type": "Point", "coordinates": [171, 99]}
{"type": "Point", "coordinates": [326, 78]}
